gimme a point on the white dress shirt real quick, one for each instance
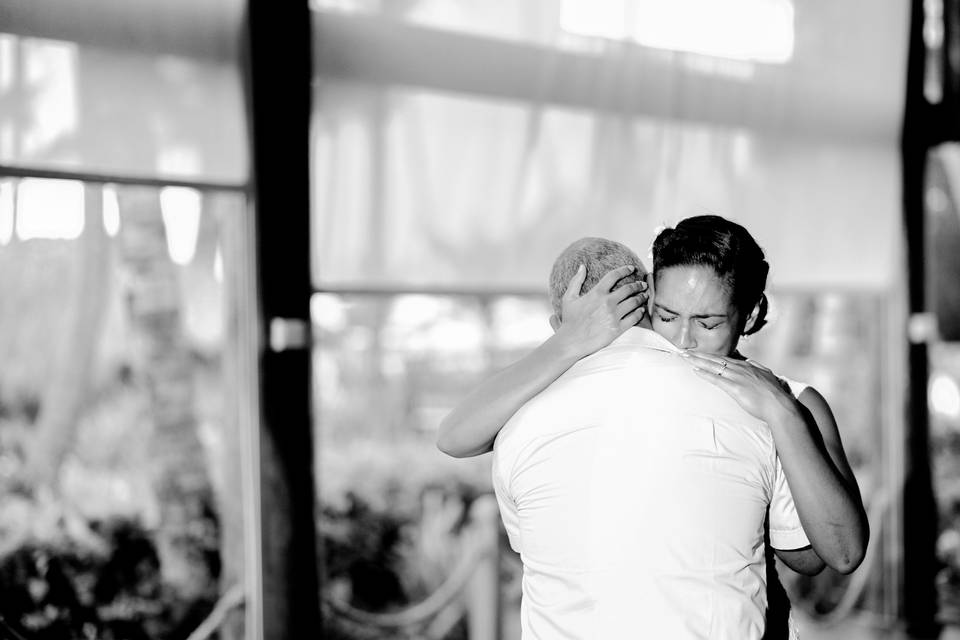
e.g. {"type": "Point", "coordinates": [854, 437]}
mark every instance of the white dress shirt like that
{"type": "Point", "coordinates": [635, 493]}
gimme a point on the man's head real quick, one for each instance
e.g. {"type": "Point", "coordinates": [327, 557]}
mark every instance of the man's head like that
{"type": "Point", "coordinates": [599, 256]}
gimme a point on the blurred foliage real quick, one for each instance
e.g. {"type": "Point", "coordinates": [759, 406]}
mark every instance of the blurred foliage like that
{"type": "Point", "coordinates": [390, 525]}
{"type": "Point", "coordinates": [945, 454]}
{"type": "Point", "coordinates": [388, 368]}
{"type": "Point", "coordinates": [80, 558]}
{"type": "Point", "coordinates": [104, 585]}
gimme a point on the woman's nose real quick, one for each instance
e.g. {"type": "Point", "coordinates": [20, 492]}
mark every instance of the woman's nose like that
{"type": "Point", "coordinates": [686, 340]}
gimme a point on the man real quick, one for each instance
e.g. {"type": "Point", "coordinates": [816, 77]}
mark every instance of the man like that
{"type": "Point", "coordinates": [636, 492]}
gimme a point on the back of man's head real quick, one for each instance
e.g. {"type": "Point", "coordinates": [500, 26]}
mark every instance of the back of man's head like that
{"type": "Point", "coordinates": [599, 256]}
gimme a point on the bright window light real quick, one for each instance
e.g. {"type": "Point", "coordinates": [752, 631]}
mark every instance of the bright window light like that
{"type": "Point", "coordinates": [748, 30]}
{"type": "Point", "coordinates": [50, 72]}
{"type": "Point", "coordinates": [944, 396]}
{"type": "Point", "coordinates": [597, 18]}
{"type": "Point", "coordinates": [180, 207]}
{"type": "Point", "coordinates": [51, 209]}
{"type": "Point", "coordinates": [111, 211]}
{"type": "Point", "coordinates": [328, 312]}
{"type": "Point", "coordinates": [218, 265]}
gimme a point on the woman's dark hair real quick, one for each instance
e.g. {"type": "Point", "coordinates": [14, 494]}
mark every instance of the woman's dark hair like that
{"type": "Point", "coordinates": [728, 249]}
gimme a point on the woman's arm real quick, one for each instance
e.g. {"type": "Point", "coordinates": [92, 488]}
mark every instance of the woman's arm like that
{"type": "Point", "coordinates": [808, 443]}
{"type": "Point", "coordinates": [590, 322]}
{"type": "Point", "coordinates": [822, 415]}
{"type": "Point", "coordinates": [807, 561]}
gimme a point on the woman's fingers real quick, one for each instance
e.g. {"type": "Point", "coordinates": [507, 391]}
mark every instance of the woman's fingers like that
{"type": "Point", "coordinates": [702, 360]}
{"type": "Point", "coordinates": [604, 286]}
{"type": "Point", "coordinates": [612, 277]}
{"type": "Point", "coordinates": [628, 290]}
{"type": "Point", "coordinates": [714, 365]}
{"type": "Point", "coordinates": [632, 318]}
{"type": "Point", "coordinates": [575, 284]}
{"type": "Point", "coordinates": [721, 381]}
{"type": "Point", "coordinates": [630, 303]}
{"type": "Point", "coordinates": [631, 310]}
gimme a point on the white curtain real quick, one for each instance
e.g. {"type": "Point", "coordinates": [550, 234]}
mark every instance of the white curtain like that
{"type": "Point", "coordinates": [137, 89]}
{"type": "Point", "coordinates": [434, 169]}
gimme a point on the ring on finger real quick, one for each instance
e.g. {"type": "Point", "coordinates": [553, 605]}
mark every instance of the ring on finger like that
{"type": "Point", "coordinates": [723, 367]}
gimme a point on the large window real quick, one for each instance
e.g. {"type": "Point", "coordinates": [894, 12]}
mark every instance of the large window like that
{"type": "Point", "coordinates": [120, 448]}
{"type": "Point", "coordinates": [459, 146]}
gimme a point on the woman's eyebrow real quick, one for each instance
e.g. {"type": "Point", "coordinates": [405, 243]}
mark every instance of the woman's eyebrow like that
{"type": "Point", "coordinates": [698, 316]}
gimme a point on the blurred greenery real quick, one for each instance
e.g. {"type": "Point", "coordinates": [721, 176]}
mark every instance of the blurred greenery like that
{"type": "Point", "coordinates": [81, 550]}
{"type": "Point", "coordinates": [388, 368]}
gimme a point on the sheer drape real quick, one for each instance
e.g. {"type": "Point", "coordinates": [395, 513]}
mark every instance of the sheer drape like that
{"type": "Point", "coordinates": [130, 88]}
{"type": "Point", "coordinates": [428, 173]}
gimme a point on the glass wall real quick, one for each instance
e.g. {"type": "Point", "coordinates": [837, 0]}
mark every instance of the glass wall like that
{"type": "Point", "coordinates": [121, 511]}
{"type": "Point", "coordinates": [459, 147]}
{"type": "Point", "coordinates": [942, 219]}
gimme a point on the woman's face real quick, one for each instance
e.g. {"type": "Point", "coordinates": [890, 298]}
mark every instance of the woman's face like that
{"type": "Point", "coordinates": [693, 309]}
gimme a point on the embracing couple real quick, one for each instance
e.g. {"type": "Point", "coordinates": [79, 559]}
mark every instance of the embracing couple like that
{"type": "Point", "coordinates": [646, 471]}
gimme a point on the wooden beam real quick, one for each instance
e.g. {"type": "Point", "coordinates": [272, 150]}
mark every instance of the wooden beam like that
{"type": "Point", "coordinates": [920, 133]}
{"type": "Point", "coordinates": [279, 81]}
{"type": "Point", "coordinates": [797, 99]}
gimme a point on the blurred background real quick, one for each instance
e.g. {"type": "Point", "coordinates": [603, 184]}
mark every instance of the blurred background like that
{"type": "Point", "coordinates": [250, 256]}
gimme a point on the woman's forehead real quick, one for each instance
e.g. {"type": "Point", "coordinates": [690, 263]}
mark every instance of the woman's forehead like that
{"type": "Point", "coordinates": [692, 289]}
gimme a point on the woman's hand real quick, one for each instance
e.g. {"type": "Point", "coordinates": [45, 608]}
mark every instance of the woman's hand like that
{"type": "Point", "coordinates": [753, 386]}
{"type": "Point", "coordinates": [593, 320]}
{"type": "Point", "coordinates": [804, 433]}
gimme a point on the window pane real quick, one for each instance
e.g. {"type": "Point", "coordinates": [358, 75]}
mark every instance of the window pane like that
{"type": "Point", "coordinates": [120, 489]}
{"type": "Point", "coordinates": [837, 342]}
{"type": "Point", "coordinates": [387, 369]}
{"type": "Point", "coordinates": [71, 106]}
{"type": "Point", "coordinates": [415, 188]}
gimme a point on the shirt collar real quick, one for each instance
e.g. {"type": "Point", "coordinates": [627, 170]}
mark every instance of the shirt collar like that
{"type": "Point", "coordinates": [638, 336]}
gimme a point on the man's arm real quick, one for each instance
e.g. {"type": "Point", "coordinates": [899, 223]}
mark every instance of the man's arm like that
{"type": "Point", "coordinates": [591, 322]}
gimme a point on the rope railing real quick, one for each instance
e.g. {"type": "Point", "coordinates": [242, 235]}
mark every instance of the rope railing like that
{"type": "Point", "coordinates": [474, 581]}
{"type": "Point", "coordinates": [233, 598]}
{"type": "Point", "coordinates": [422, 612]}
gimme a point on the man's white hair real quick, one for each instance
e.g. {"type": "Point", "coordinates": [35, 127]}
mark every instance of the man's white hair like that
{"type": "Point", "coordinates": [599, 255]}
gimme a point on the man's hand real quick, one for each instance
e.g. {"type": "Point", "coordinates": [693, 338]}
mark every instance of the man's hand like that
{"type": "Point", "coordinates": [593, 320]}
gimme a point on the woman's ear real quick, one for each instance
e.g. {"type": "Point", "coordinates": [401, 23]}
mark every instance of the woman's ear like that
{"type": "Point", "coordinates": [751, 319]}
{"type": "Point", "coordinates": [554, 322]}
{"type": "Point", "coordinates": [648, 278]}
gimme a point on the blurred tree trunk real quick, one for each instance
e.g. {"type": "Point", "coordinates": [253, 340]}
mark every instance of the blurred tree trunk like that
{"type": "Point", "coordinates": [69, 383]}
{"type": "Point", "coordinates": [162, 362]}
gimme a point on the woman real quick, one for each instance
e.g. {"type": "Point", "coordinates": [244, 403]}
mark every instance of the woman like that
{"type": "Point", "coordinates": [709, 277]}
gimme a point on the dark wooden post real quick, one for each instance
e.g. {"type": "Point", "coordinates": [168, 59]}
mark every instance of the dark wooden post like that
{"type": "Point", "coordinates": [279, 89]}
{"type": "Point", "coordinates": [920, 132]}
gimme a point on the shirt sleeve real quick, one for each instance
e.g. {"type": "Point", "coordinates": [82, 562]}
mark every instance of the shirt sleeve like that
{"type": "Point", "coordinates": [786, 532]}
{"type": "Point", "coordinates": [508, 508]}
